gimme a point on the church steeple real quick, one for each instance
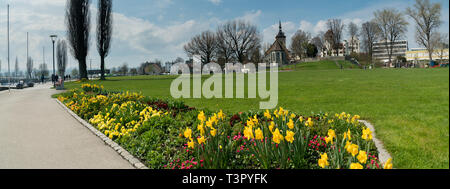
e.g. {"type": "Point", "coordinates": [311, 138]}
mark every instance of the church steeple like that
{"type": "Point", "coordinates": [280, 25]}
{"type": "Point", "coordinates": [281, 37]}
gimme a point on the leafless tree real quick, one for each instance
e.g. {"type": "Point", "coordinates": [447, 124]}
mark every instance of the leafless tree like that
{"type": "Point", "coordinates": [78, 27]}
{"type": "Point", "coordinates": [299, 43]}
{"type": "Point", "coordinates": [61, 57]}
{"type": "Point", "coordinates": [336, 27]}
{"type": "Point", "coordinates": [370, 34]}
{"type": "Point", "coordinates": [353, 31]}
{"type": "Point", "coordinates": [428, 18]}
{"type": "Point", "coordinates": [204, 45]}
{"type": "Point", "coordinates": [441, 43]}
{"type": "Point", "coordinates": [266, 47]}
{"type": "Point", "coordinates": [104, 32]}
{"type": "Point", "coordinates": [29, 67]}
{"type": "Point", "coordinates": [319, 42]}
{"type": "Point", "coordinates": [392, 25]}
{"type": "Point", "coordinates": [224, 50]}
{"type": "Point", "coordinates": [244, 37]}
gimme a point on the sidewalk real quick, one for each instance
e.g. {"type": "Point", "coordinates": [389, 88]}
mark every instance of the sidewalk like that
{"type": "Point", "coordinates": [37, 133]}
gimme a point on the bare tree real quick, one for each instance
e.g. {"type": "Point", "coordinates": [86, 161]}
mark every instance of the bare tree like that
{"type": "Point", "coordinates": [104, 32]}
{"type": "Point", "coordinates": [441, 43]}
{"type": "Point", "coordinates": [224, 44]}
{"type": "Point", "coordinates": [266, 47]}
{"type": "Point", "coordinates": [299, 43]}
{"type": "Point", "coordinates": [336, 27]}
{"type": "Point", "coordinates": [29, 67]}
{"type": "Point", "coordinates": [319, 42]}
{"type": "Point", "coordinates": [370, 34]}
{"type": "Point", "coordinates": [353, 31]}
{"type": "Point", "coordinates": [61, 55]}
{"type": "Point", "coordinates": [392, 25]}
{"type": "Point", "coordinates": [244, 37]}
{"type": "Point", "coordinates": [204, 45]}
{"type": "Point", "coordinates": [428, 18]}
{"type": "Point", "coordinates": [78, 27]}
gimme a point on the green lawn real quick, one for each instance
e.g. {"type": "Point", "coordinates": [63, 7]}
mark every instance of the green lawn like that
{"type": "Point", "coordinates": [409, 107]}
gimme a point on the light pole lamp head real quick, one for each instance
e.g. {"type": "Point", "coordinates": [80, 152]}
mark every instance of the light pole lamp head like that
{"type": "Point", "coordinates": [53, 37]}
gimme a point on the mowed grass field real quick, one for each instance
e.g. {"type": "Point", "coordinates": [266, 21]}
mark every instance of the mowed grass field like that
{"type": "Point", "coordinates": [409, 107]}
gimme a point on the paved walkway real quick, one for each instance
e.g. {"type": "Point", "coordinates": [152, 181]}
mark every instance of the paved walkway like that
{"type": "Point", "coordinates": [37, 133]}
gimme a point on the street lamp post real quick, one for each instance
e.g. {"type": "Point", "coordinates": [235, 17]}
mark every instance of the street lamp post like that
{"type": "Point", "coordinates": [53, 37]}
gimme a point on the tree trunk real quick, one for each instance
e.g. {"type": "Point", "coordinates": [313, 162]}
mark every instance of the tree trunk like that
{"type": "Point", "coordinates": [83, 69]}
{"type": "Point", "coordinates": [430, 55]}
{"type": "Point", "coordinates": [102, 68]}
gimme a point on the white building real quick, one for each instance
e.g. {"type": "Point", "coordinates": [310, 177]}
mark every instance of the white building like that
{"type": "Point", "coordinates": [352, 46]}
{"type": "Point", "coordinates": [380, 50]}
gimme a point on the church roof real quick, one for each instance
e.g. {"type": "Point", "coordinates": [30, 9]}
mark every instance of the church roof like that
{"type": "Point", "coordinates": [277, 46]}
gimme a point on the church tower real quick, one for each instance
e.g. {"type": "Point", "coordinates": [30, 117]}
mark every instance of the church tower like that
{"type": "Point", "coordinates": [281, 37]}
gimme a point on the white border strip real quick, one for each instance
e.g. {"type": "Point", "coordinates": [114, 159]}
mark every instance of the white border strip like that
{"type": "Point", "coordinates": [122, 152]}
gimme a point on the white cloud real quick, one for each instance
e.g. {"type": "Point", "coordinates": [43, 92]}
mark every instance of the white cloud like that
{"type": "Point", "coordinates": [251, 16]}
{"type": "Point", "coordinates": [216, 2]}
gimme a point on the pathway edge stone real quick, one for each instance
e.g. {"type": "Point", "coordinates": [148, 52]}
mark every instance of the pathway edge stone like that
{"type": "Point", "coordinates": [116, 147]}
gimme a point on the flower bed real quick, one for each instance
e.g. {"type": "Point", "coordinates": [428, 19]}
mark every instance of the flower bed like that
{"type": "Point", "coordinates": [167, 134]}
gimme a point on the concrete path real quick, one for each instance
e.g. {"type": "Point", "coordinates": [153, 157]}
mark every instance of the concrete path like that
{"type": "Point", "coordinates": [37, 133]}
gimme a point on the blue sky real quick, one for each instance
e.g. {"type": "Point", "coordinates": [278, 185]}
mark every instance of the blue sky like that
{"type": "Point", "coordinates": [158, 29]}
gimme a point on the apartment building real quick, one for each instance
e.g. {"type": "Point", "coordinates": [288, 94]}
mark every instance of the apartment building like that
{"type": "Point", "coordinates": [380, 50]}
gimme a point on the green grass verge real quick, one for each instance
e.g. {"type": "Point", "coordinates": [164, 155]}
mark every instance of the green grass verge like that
{"type": "Point", "coordinates": [409, 107]}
